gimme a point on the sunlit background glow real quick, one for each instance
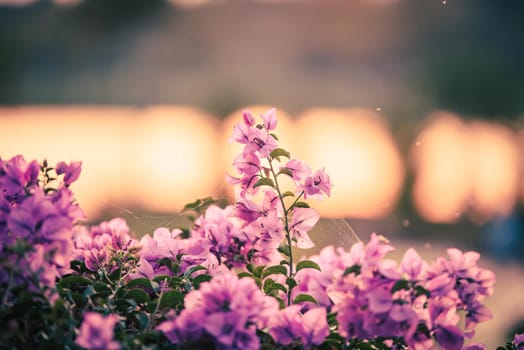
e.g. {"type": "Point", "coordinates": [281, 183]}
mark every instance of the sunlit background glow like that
{"type": "Point", "coordinates": [441, 160]}
{"type": "Point", "coordinates": [358, 151]}
{"type": "Point", "coordinates": [94, 135]}
{"type": "Point", "coordinates": [171, 158]}
{"type": "Point", "coordinates": [465, 168]}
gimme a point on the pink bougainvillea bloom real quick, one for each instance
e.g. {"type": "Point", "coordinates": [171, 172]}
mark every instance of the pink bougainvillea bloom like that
{"type": "Point", "coordinates": [299, 170]}
{"type": "Point", "coordinates": [270, 119]}
{"type": "Point", "coordinates": [247, 164]}
{"type": "Point", "coordinates": [260, 141]}
{"type": "Point", "coordinates": [97, 331]}
{"type": "Point", "coordinates": [71, 171]}
{"type": "Point", "coordinates": [226, 310]}
{"type": "Point", "coordinates": [290, 324]}
{"type": "Point", "coordinates": [413, 265]}
{"type": "Point", "coordinates": [449, 337]}
{"type": "Point", "coordinates": [241, 133]}
{"type": "Point", "coordinates": [315, 326]}
{"type": "Point", "coordinates": [518, 341]}
{"type": "Point", "coordinates": [380, 299]}
{"type": "Point", "coordinates": [248, 117]}
{"type": "Point", "coordinates": [302, 222]}
{"type": "Point", "coordinates": [317, 185]}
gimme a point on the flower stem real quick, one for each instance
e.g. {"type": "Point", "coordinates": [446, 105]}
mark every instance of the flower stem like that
{"type": "Point", "coordinates": [286, 226]}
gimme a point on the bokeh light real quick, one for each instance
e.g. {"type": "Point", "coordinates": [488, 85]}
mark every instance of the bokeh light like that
{"type": "Point", "coordinates": [172, 158]}
{"type": "Point", "coordinates": [93, 135]}
{"type": "Point", "coordinates": [496, 170]}
{"type": "Point", "coordinates": [441, 160]}
{"type": "Point", "coordinates": [464, 168]}
{"type": "Point", "coordinates": [358, 151]}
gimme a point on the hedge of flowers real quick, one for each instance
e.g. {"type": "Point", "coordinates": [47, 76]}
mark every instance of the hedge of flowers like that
{"type": "Point", "coordinates": [231, 280]}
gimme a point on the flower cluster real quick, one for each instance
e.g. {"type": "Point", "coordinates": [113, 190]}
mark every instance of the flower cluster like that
{"type": "Point", "coordinates": [37, 214]}
{"type": "Point", "coordinates": [96, 332]}
{"type": "Point", "coordinates": [413, 303]}
{"type": "Point", "coordinates": [99, 246]}
{"type": "Point", "coordinates": [226, 311]}
{"type": "Point", "coordinates": [229, 281]}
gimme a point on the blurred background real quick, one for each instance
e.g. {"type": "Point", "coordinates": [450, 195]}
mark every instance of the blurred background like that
{"type": "Point", "coordinates": [415, 108]}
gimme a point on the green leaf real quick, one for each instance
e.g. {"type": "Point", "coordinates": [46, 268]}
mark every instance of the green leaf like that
{"type": "Point", "coordinates": [161, 278]}
{"type": "Point", "coordinates": [200, 205]}
{"type": "Point", "coordinates": [244, 274]}
{"type": "Point", "coordinates": [79, 299]}
{"type": "Point", "coordinates": [284, 249]}
{"type": "Point", "coordinates": [291, 283]}
{"type": "Point", "coordinates": [140, 282]}
{"type": "Point", "coordinates": [304, 298]}
{"type": "Point", "coordinates": [364, 346]}
{"type": "Point", "coordinates": [78, 266]}
{"type": "Point", "coordinates": [353, 269]}
{"type": "Point", "coordinates": [307, 264]}
{"type": "Point", "coordinates": [201, 279]}
{"type": "Point", "coordinates": [274, 136]}
{"type": "Point", "coordinates": [274, 270]}
{"type": "Point", "coordinates": [171, 299]}
{"type": "Point", "coordinates": [400, 285]}
{"type": "Point", "coordinates": [267, 285]}
{"type": "Point", "coordinates": [102, 289]}
{"type": "Point", "coordinates": [250, 267]}
{"type": "Point", "coordinates": [419, 290]}
{"type": "Point", "coordinates": [301, 205]}
{"type": "Point", "coordinates": [69, 281]}
{"type": "Point", "coordinates": [287, 172]}
{"type": "Point", "coordinates": [115, 275]}
{"type": "Point", "coordinates": [332, 321]}
{"type": "Point", "coordinates": [165, 262]}
{"type": "Point", "coordinates": [278, 286]}
{"type": "Point", "coordinates": [257, 271]}
{"type": "Point", "coordinates": [264, 181]}
{"type": "Point", "coordinates": [138, 295]}
{"type": "Point", "coordinates": [280, 152]}
{"type": "Point", "coordinates": [288, 194]}
{"type": "Point", "coordinates": [142, 320]}
{"type": "Point", "coordinates": [267, 347]}
{"type": "Point", "coordinates": [175, 267]}
{"type": "Point", "coordinates": [193, 269]}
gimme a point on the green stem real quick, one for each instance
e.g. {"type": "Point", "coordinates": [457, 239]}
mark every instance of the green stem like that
{"type": "Point", "coordinates": [286, 226]}
{"type": "Point", "coordinates": [296, 200]}
{"type": "Point", "coordinates": [157, 307]}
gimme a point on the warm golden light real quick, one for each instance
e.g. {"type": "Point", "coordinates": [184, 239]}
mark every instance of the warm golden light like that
{"type": "Point", "coordinates": [358, 151]}
{"type": "Point", "coordinates": [93, 135]}
{"type": "Point", "coordinates": [464, 168]}
{"type": "Point", "coordinates": [495, 172]}
{"type": "Point", "coordinates": [172, 158]}
{"type": "Point", "coordinates": [441, 157]}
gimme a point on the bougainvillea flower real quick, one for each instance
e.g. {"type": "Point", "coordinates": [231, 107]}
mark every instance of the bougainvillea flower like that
{"type": "Point", "coordinates": [302, 222]}
{"type": "Point", "coordinates": [96, 332]}
{"type": "Point", "coordinates": [71, 171]}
